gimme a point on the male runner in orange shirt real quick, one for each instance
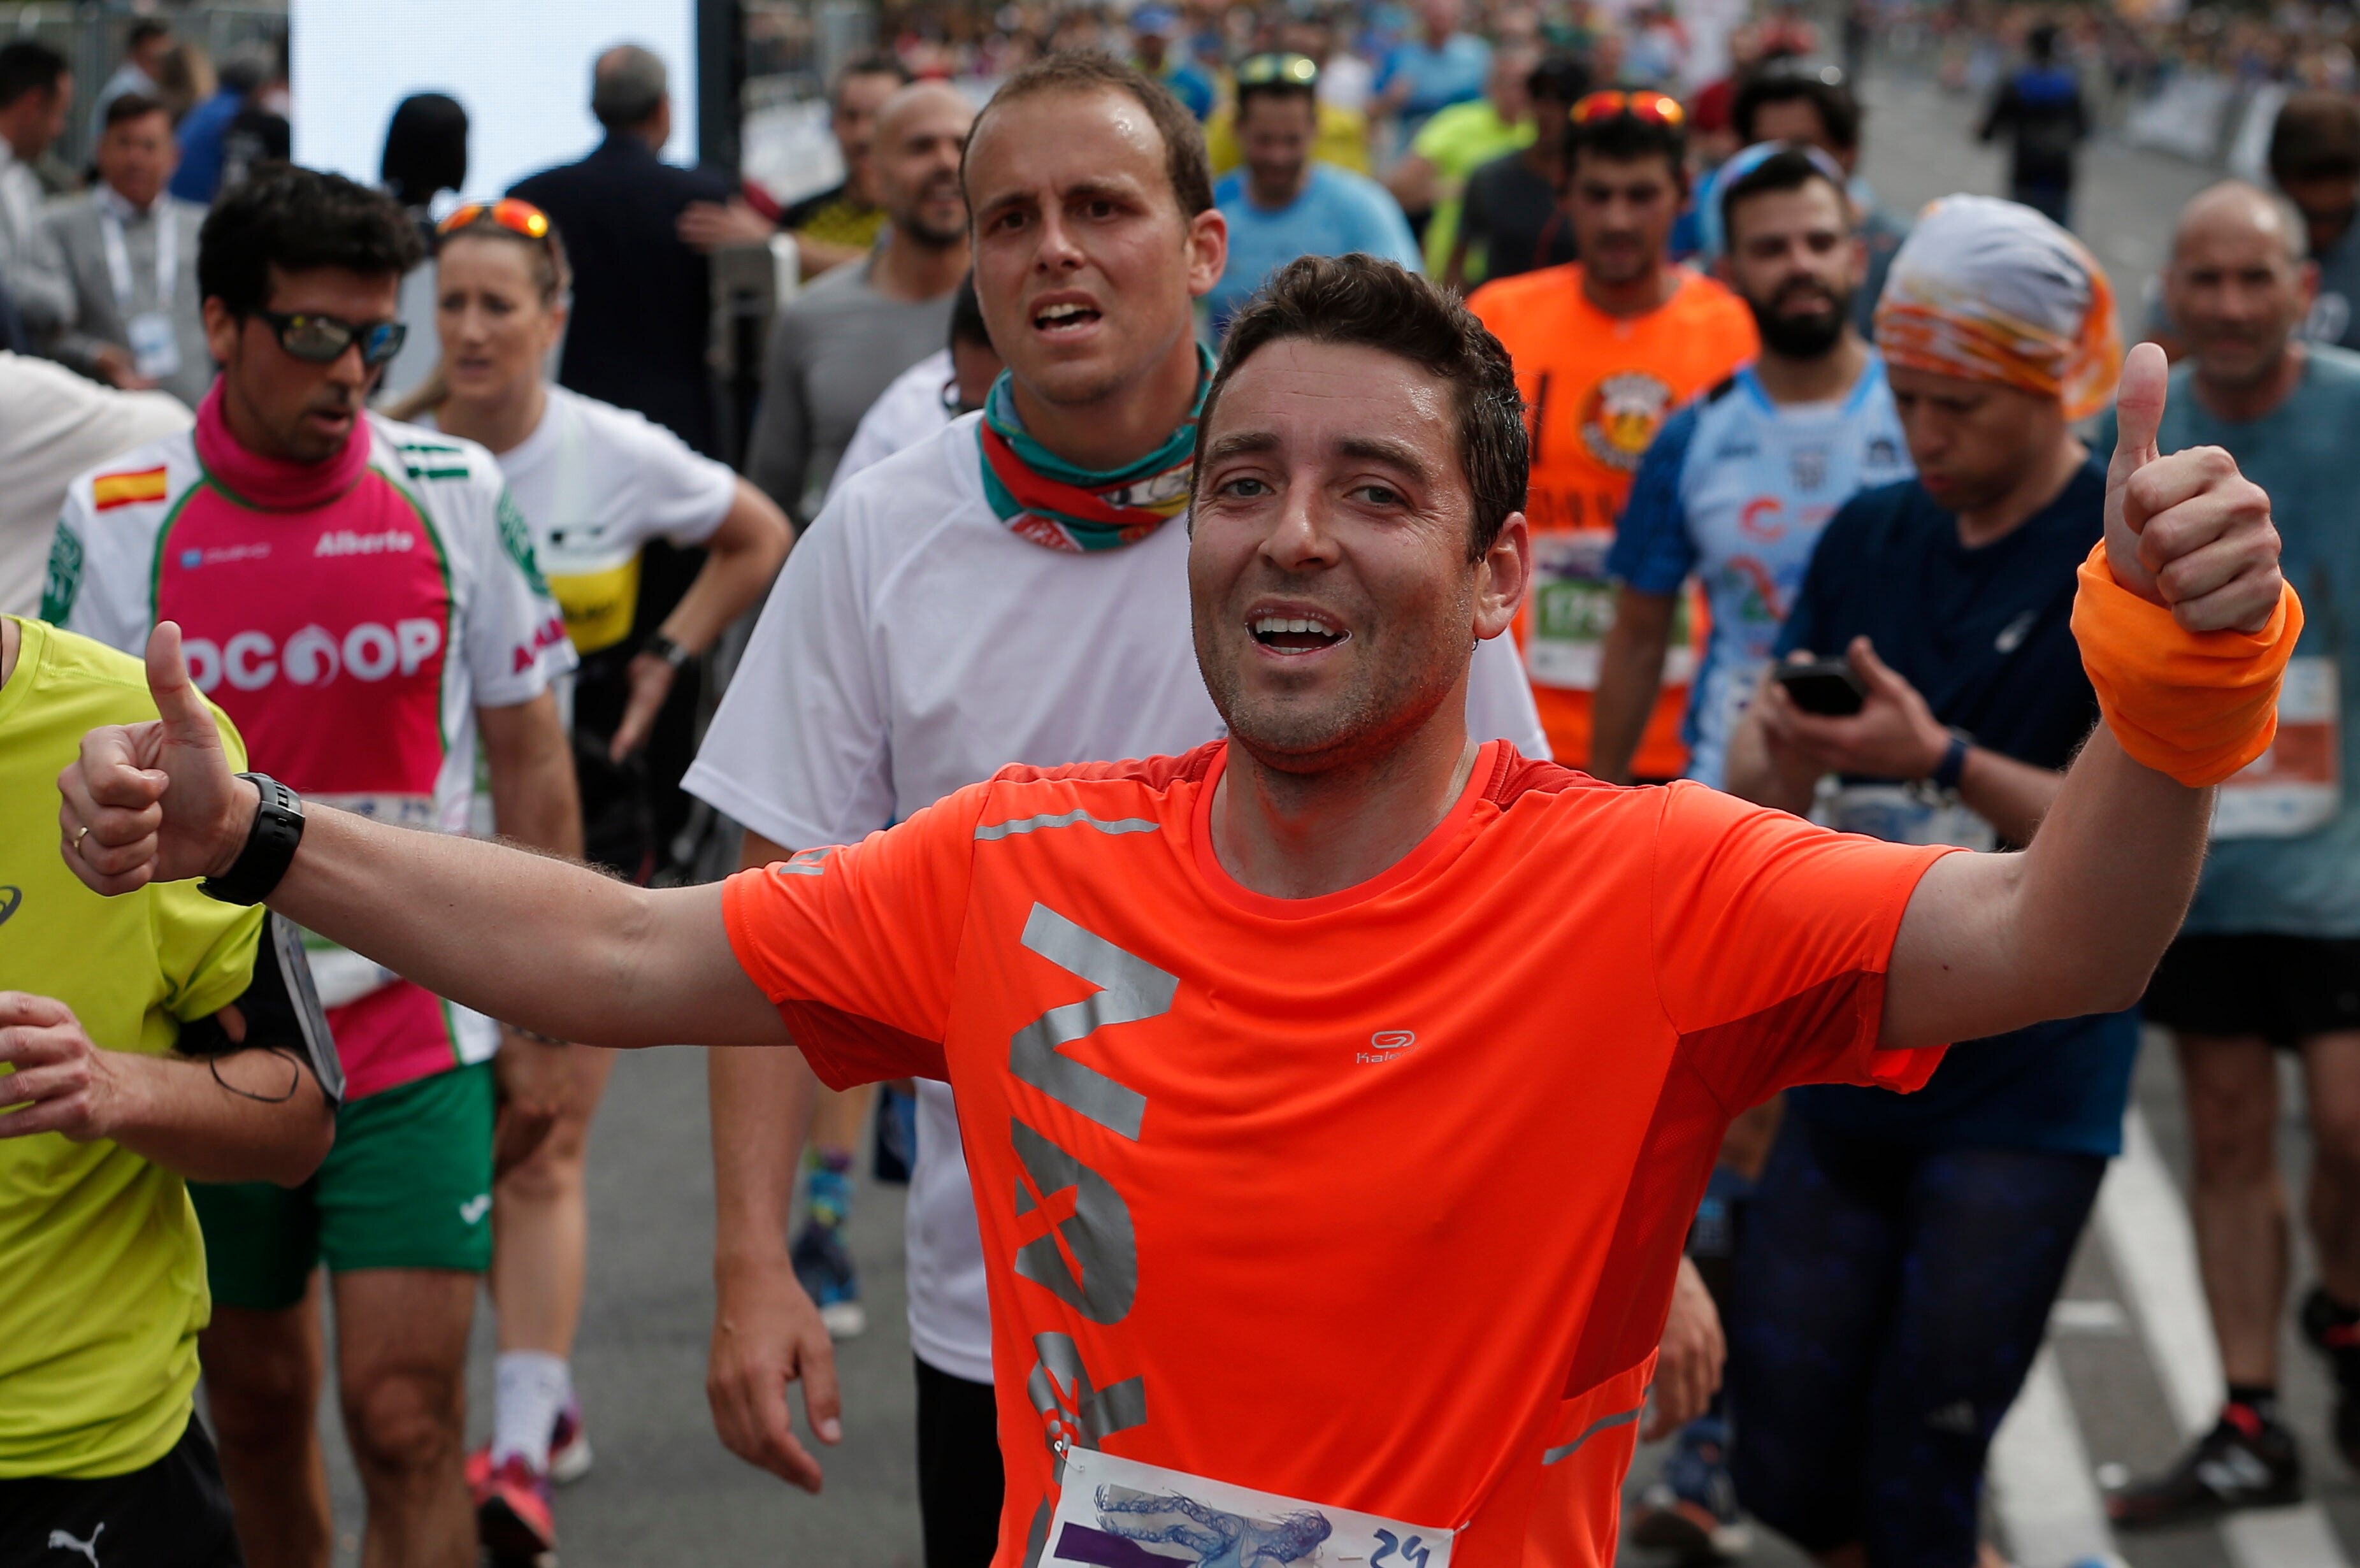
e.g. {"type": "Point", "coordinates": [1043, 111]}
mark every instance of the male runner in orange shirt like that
{"type": "Point", "coordinates": [1606, 348]}
{"type": "Point", "coordinates": [1256, 1101]}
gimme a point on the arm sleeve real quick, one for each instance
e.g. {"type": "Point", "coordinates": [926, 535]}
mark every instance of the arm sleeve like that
{"type": "Point", "coordinates": [513, 636]}
{"type": "Point", "coordinates": [801, 749]}
{"type": "Point", "coordinates": [780, 450]}
{"type": "Point", "coordinates": [857, 946]}
{"type": "Point", "coordinates": [1772, 940]}
{"type": "Point", "coordinates": [1652, 552]}
{"type": "Point", "coordinates": [43, 289]}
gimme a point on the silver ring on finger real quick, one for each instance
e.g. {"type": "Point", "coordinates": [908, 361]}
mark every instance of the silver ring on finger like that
{"type": "Point", "coordinates": [78, 837]}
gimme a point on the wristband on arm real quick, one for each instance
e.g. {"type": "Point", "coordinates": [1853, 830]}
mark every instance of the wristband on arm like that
{"type": "Point", "coordinates": [2197, 706]}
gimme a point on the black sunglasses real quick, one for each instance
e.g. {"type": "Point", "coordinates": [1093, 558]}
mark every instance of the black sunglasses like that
{"type": "Point", "coordinates": [323, 340]}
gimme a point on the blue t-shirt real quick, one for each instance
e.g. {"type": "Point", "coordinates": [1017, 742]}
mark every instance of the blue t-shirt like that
{"type": "Point", "coordinates": [1437, 77]}
{"type": "Point", "coordinates": [2309, 884]}
{"type": "Point", "coordinates": [1735, 490]}
{"type": "Point", "coordinates": [1985, 634]}
{"type": "Point", "coordinates": [1339, 212]}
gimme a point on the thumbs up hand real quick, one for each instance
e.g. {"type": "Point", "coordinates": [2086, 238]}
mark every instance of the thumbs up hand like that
{"type": "Point", "coordinates": [155, 801]}
{"type": "Point", "coordinates": [2186, 531]}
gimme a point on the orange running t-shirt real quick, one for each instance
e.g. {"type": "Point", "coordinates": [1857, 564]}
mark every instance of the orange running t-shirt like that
{"type": "Point", "coordinates": [1596, 389]}
{"type": "Point", "coordinates": [1334, 1198]}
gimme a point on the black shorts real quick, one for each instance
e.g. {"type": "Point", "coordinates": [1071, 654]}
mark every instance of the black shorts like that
{"type": "Point", "coordinates": [959, 1477]}
{"type": "Point", "coordinates": [2284, 988]}
{"type": "Point", "coordinates": [173, 1514]}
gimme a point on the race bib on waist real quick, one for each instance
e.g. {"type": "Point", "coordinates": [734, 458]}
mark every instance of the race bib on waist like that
{"type": "Point", "coordinates": [1573, 605]}
{"type": "Point", "coordinates": [1119, 1513]}
{"type": "Point", "coordinates": [2295, 787]}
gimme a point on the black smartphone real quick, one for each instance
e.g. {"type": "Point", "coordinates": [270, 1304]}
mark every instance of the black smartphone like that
{"type": "Point", "coordinates": [1824, 686]}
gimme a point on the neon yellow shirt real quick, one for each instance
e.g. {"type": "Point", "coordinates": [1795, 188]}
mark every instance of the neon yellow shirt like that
{"type": "Point", "coordinates": [1458, 141]}
{"type": "Point", "coordinates": [102, 1267]}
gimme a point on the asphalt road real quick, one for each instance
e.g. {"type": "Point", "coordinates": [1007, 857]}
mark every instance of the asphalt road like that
{"type": "Point", "coordinates": [664, 1491]}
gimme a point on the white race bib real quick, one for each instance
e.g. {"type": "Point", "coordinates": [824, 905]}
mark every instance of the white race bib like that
{"type": "Point", "coordinates": [1905, 813]}
{"type": "Point", "coordinates": [1573, 605]}
{"type": "Point", "coordinates": [1119, 1513]}
{"type": "Point", "coordinates": [2295, 786]}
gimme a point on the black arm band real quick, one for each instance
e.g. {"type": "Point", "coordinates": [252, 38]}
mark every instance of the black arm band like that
{"type": "Point", "coordinates": [269, 845]}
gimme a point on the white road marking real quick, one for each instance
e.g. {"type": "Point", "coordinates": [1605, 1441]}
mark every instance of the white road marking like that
{"type": "Point", "coordinates": [2144, 1220]}
{"type": "Point", "coordinates": [2040, 1479]}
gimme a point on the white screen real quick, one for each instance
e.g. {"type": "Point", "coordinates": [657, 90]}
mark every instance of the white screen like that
{"type": "Point", "coordinates": [521, 68]}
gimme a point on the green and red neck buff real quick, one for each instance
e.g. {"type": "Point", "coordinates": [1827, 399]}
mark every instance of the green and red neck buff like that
{"type": "Point", "coordinates": [1057, 506]}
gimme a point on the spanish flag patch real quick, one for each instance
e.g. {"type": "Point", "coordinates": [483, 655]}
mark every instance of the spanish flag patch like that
{"type": "Point", "coordinates": [109, 491]}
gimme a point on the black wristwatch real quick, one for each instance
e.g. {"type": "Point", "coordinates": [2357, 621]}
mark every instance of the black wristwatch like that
{"type": "Point", "coordinates": [1954, 761]}
{"type": "Point", "coordinates": [269, 845]}
{"type": "Point", "coordinates": [670, 652]}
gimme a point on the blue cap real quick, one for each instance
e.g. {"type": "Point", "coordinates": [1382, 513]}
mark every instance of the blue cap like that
{"type": "Point", "coordinates": [1160, 20]}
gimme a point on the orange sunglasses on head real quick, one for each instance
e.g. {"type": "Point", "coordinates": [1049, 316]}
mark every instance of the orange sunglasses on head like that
{"type": "Point", "coordinates": [1655, 107]}
{"type": "Point", "coordinates": [516, 217]}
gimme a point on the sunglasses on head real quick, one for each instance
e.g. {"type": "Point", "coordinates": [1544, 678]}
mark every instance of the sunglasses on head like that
{"type": "Point", "coordinates": [1269, 70]}
{"type": "Point", "coordinates": [516, 217]}
{"type": "Point", "coordinates": [321, 340]}
{"type": "Point", "coordinates": [1655, 108]}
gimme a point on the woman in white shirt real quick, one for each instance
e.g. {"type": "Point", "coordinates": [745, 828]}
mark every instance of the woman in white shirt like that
{"type": "Point", "coordinates": [594, 484]}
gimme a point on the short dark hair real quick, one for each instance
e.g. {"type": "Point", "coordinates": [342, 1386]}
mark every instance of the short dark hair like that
{"type": "Point", "coordinates": [1184, 163]}
{"type": "Point", "coordinates": [966, 316]}
{"type": "Point", "coordinates": [2317, 137]}
{"type": "Point", "coordinates": [142, 29]}
{"type": "Point", "coordinates": [295, 220]}
{"type": "Point", "coordinates": [28, 65]}
{"type": "Point", "coordinates": [1275, 89]}
{"type": "Point", "coordinates": [627, 86]}
{"type": "Point", "coordinates": [1362, 301]}
{"type": "Point", "coordinates": [1789, 80]}
{"type": "Point", "coordinates": [866, 65]}
{"type": "Point", "coordinates": [1626, 139]}
{"type": "Point", "coordinates": [125, 106]}
{"type": "Point", "coordinates": [1561, 79]}
{"type": "Point", "coordinates": [2042, 42]}
{"type": "Point", "coordinates": [1790, 169]}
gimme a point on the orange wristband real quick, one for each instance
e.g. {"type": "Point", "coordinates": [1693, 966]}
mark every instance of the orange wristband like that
{"type": "Point", "coordinates": [2195, 706]}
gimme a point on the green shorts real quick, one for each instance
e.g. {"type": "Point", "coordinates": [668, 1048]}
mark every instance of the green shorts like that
{"type": "Point", "coordinates": [408, 1185]}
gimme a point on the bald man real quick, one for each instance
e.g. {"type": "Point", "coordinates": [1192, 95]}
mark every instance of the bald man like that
{"type": "Point", "coordinates": [841, 342]}
{"type": "Point", "coordinates": [2269, 959]}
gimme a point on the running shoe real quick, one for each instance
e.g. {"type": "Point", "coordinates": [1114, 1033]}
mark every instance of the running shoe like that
{"type": "Point", "coordinates": [569, 1446]}
{"type": "Point", "coordinates": [1691, 1510]}
{"type": "Point", "coordinates": [512, 1515]}
{"type": "Point", "coordinates": [824, 1270]}
{"type": "Point", "coordinates": [2244, 1463]}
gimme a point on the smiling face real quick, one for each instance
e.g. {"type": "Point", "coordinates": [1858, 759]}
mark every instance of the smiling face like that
{"type": "Point", "coordinates": [1085, 266]}
{"type": "Point", "coordinates": [495, 327]}
{"type": "Point", "coordinates": [1333, 601]}
{"type": "Point", "coordinates": [914, 154]}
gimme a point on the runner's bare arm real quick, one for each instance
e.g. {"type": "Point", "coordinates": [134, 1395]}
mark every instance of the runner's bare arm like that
{"type": "Point", "coordinates": [533, 941]}
{"type": "Point", "coordinates": [2075, 923]}
{"type": "Point", "coordinates": [1629, 674]}
{"type": "Point", "coordinates": [766, 1331]}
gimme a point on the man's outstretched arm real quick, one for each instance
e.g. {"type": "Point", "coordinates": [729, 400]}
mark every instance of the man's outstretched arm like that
{"type": "Point", "coordinates": [532, 940]}
{"type": "Point", "coordinates": [2075, 924]}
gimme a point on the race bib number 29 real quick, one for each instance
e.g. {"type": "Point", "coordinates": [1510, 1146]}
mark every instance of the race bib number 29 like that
{"type": "Point", "coordinates": [1120, 1513]}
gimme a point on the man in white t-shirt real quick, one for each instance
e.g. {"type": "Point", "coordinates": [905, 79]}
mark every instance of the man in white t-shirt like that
{"type": "Point", "coordinates": [1012, 589]}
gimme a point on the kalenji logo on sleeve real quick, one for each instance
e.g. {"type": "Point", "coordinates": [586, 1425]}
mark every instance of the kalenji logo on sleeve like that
{"type": "Point", "coordinates": [313, 656]}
